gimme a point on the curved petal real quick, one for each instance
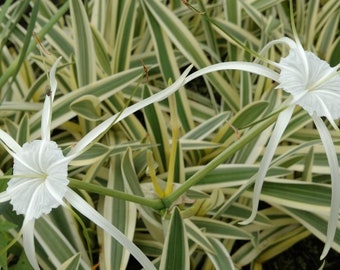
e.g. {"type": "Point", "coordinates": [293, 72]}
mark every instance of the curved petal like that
{"type": "Point", "coordinates": [335, 178]}
{"type": "Point", "coordinates": [279, 128]}
{"type": "Point", "coordinates": [53, 81]}
{"type": "Point", "coordinates": [9, 142]}
{"type": "Point", "coordinates": [244, 66]}
{"type": "Point", "coordinates": [327, 113]}
{"type": "Point", "coordinates": [182, 80]}
{"type": "Point", "coordinates": [47, 109]}
{"type": "Point", "coordinates": [28, 241]}
{"type": "Point", "coordinates": [83, 207]}
{"type": "Point", "coordinates": [283, 40]}
{"type": "Point", "coordinates": [101, 128]}
{"type": "Point", "coordinates": [30, 212]}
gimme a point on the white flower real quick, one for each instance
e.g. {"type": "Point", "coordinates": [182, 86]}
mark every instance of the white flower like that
{"type": "Point", "coordinates": [43, 176]}
{"type": "Point", "coordinates": [312, 82]}
{"type": "Point", "coordinates": [39, 182]}
{"type": "Point", "coordinates": [313, 85]}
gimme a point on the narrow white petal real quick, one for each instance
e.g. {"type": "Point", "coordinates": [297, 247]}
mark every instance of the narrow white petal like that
{"type": "Point", "coordinates": [28, 241]}
{"type": "Point", "coordinates": [327, 113]}
{"type": "Point", "coordinates": [46, 119]}
{"type": "Point", "coordinates": [92, 135]}
{"type": "Point", "coordinates": [47, 109]}
{"type": "Point", "coordinates": [53, 81]}
{"type": "Point", "coordinates": [30, 212]}
{"type": "Point", "coordinates": [335, 178]}
{"type": "Point", "coordinates": [9, 142]}
{"type": "Point", "coordinates": [83, 207]}
{"type": "Point", "coordinates": [244, 66]}
{"type": "Point", "coordinates": [283, 40]}
{"type": "Point", "coordinates": [279, 128]}
{"type": "Point", "coordinates": [101, 128]}
{"type": "Point", "coordinates": [303, 56]}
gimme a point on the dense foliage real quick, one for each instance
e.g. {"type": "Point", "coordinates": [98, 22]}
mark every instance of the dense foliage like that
{"type": "Point", "coordinates": [177, 176]}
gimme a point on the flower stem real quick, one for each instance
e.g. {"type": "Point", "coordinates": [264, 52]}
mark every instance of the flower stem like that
{"type": "Point", "coordinates": [194, 179]}
{"type": "Point", "coordinates": [153, 203]}
{"type": "Point", "coordinates": [167, 201]}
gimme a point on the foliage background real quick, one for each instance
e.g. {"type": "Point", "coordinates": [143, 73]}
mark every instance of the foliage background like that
{"type": "Point", "coordinates": [211, 135]}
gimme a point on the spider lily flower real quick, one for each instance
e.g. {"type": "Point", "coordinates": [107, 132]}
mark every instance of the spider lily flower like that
{"type": "Point", "coordinates": [39, 182]}
{"type": "Point", "coordinates": [313, 85]}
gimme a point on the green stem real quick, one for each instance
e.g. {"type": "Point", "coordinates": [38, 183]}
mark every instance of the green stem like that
{"type": "Point", "coordinates": [194, 179]}
{"type": "Point", "coordinates": [153, 203]}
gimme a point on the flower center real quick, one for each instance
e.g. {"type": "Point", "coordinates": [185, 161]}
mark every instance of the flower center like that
{"type": "Point", "coordinates": [39, 179]}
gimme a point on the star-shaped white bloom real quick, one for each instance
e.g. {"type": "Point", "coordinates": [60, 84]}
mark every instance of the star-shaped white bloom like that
{"type": "Point", "coordinates": [313, 85]}
{"type": "Point", "coordinates": [311, 81]}
{"type": "Point", "coordinates": [39, 182]}
{"type": "Point", "coordinates": [43, 176]}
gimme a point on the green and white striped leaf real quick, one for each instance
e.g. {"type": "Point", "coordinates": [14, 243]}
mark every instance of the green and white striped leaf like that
{"type": "Point", "coordinates": [84, 48]}
{"type": "Point", "coordinates": [315, 223]}
{"type": "Point", "coordinates": [71, 264]}
{"type": "Point", "coordinates": [56, 248]}
{"type": "Point", "coordinates": [151, 219]}
{"type": "Point", "coordinates": [122, 215]}
{"type": "Point", "coordinates": [175, 253]}
{"type": "Point", "coordinates": [220, 257]}
{"type": "Point", "coordinates": [190, 48]}
{"type": "Point", "coordinates": [219, 229]}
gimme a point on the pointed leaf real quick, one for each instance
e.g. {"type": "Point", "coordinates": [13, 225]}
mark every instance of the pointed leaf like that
{"type": "Point", "coordinates": [220, 229]}
{"type": "Point", "coordinates": [122, 215]}
{"type": "Point", "coordinates": [71, 264]}
{"type": "Point", "coordinates": [23, 131]}
{"type": "Point", "coordinates": [87, 106]}
{"type": "Point", "coordinates": [207, 127]}
{"type": "Point", "coordinates": [84, 48]}
{"type": "Point", "coordinates": [175, 254]}
{"type": "Point", "coordinates": [198, 236]}
{"type": "Point", "coordinates": [220, 258]}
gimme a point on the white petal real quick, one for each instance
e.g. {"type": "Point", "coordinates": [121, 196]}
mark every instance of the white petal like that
{"type": "Point", "coordinates": [279, 128]}
{"type": "Point", "coordinates": [326, 112]}
{"type": "Point", "coordinates": [9, 142]}
{"type": "Point", "coordinates": [38, 185]}
{"type": "Point", "coordinates": [53, 81]}
{"type": "Point", "coordinates": [83, 207]}
{"type": "Point", "coordinates": [244, 66]}
{"type": "Point", "coordinates": [28, 241]}
{"type": "Point", "coordinates": [101, 128]}
{"type": "Point", "coordinates": [335, 178]}
{"type": "Point", "coordinates": [47, 109]}
{"type": "Point", "coordinates": [291, 43]}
